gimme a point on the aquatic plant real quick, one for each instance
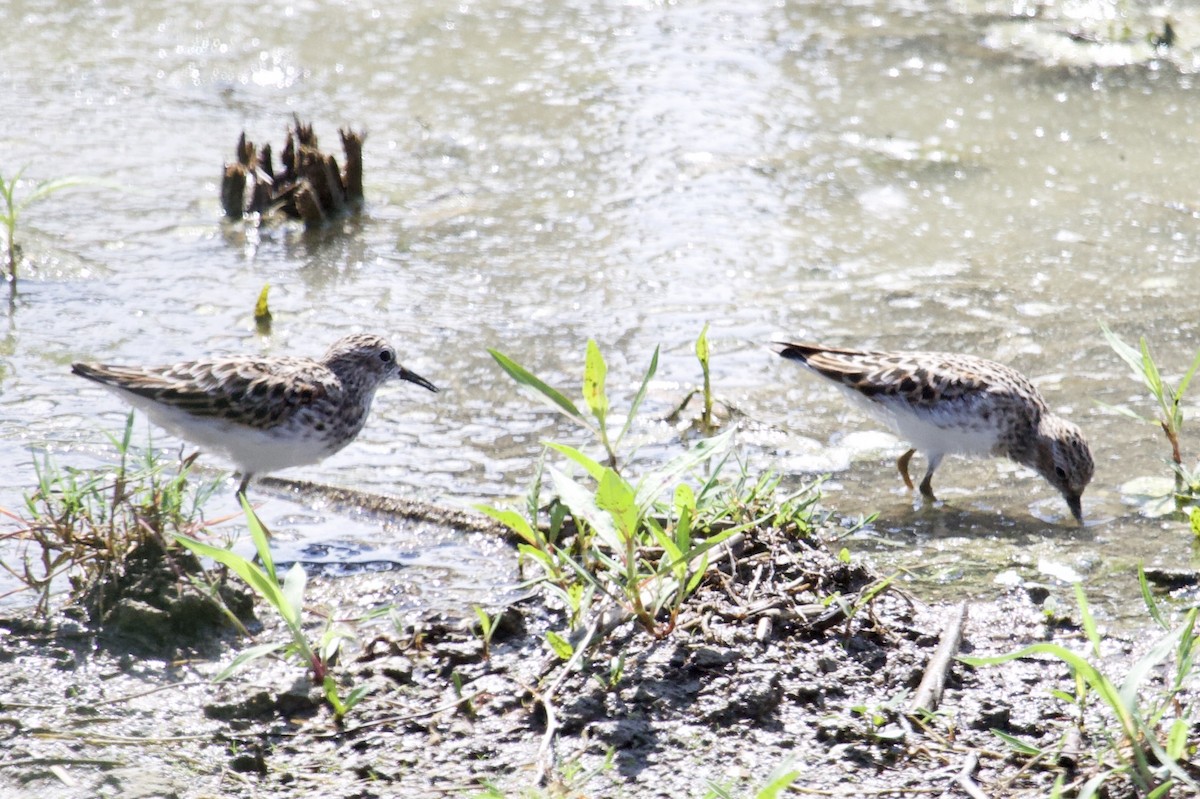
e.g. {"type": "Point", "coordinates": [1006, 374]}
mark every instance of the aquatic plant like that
{"type": "Point", "coordinates": [14, 207]}
{"type": "Point", "coordinates": [595, 373]}
{"type": "Point", "coordinates": [706, 423]}
{"type": "Point", "coordinates": [641, 543]}
{"type": "Point", "coordinates": [1141, 729]}
{"type": "Point", "coordinates": [84, 523]}
{"type": "Point", "coordinates": [1170, 415]}
{"type": "Point", "coordinates": [286, 597]}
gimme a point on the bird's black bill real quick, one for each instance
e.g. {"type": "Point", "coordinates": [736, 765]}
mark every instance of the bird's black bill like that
{"type": "Point", "coordinates": [1076, 506]}
{"type": "Point", "coordinates": [413, 377]}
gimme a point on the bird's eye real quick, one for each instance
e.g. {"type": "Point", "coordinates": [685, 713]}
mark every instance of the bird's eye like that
{"type": "Point", "coordinates": [386, 356]}
{"type": "Point", "coordinates": [1061, 472]}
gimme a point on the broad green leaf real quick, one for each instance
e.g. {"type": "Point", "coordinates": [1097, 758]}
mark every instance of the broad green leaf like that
{"type": "Point", "coordinates": [582, 504]}
{"type": "Point", "coordinates": [252, 575]}
{"type": "Point", "coordinates": [560, 645]}
{"type": "Point", "coordinates": [1177, 739]}
{"type": "Point", "coordinates": [1194, 520]}
{"type": "Point", "coordinates": [596, 470]}
{"type": "Point", "coordinates": [262, 312]}
{"type": "Point", "coordinates": [544, 392]}
{"type": "Point", "coordinates": [1127, 353]}
{"type": "Point", "coordinates": [293, 595]}
{"type": "Point", "coordinates": [702, 347]}
{"type": "Point", "coordinates": [513, 521]}
{"type": "Point", "coordinates": [595, 372]}
{"type": "Point", "coordinates": [1187, 378]}
{"type": "Point", "coordinates": [617, 497]}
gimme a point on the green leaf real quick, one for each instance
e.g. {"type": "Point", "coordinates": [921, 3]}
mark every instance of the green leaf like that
{"type": "Point", "coordinates": [596, 470]}
{"type": "Point", "coordinates": [526, 378]}
{"type": "Point", "coordinates": [584, 509]}
{"type": "Point", "coordinates": [1187, 378]}
{"type": "Point", "coordinates": [253, 576]}
{"type": "Point", "coordinates": [559, 645]}
{"type": "Point", "coordinates": [617, 497]}
{"type": "Point", "coordinates": [641, 394]}
{"type": "Point", "coordinates": [654, 482]}
{"type": "Point", "coordinates": [1089, 623]}
{"type": "Point", "coordinates": [595, 372]}
{"type": "Point", "coordinates": [253, 653]}
{"type": "Point", "coordinates": [777, 783]}
{"type": "Point", "coordinates": [843, 555]}
{"type": "Point", "coordinates": [261, 538]}
{"type": "Point", "coordinates": [293, 595]}
{"type": "Point", "coordinates": [1149, 601]}
{"type": "Point", "coordinates": [1194, 521]}
{"type": "Point", "coordinates": [1177, 739]}
{"type": "Point", "coordinates": [513, 521]}
{"type": "Point", "coordinates": [1016, 744]}
{"type": "Point", "coordinates": [702, 347]}
{"type": "Point", "coordinates": [262, 313]}
{"type": "Point", "coordinates": [1131, 356]}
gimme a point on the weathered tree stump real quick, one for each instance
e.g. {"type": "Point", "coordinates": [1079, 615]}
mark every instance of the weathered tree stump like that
{"type": "Point", "coordinates": [310, 187]}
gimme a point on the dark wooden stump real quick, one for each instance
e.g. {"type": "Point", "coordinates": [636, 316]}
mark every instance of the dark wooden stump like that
{"type": "Point", "coordinates": [310, 185]}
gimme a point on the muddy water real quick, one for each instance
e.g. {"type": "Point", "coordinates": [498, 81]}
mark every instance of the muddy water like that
{"type": "Point", "coordinates": [902, 175]}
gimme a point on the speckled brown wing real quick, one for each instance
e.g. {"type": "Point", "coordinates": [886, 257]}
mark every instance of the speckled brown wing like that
{"type": "Point", "coordinates": [920, 379]}
{"type": "Point", "coordinates": [244, 391]}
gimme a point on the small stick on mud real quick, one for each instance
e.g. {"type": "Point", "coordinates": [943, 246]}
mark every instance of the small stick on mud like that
{"type": "Point", "coordinates": [964, 779]}
{"type": "Point", "coordinates": [929, 692]}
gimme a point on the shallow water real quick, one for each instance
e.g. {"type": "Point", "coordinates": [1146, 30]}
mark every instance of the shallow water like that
{"type": "Point", "coordinates": [900, 175]}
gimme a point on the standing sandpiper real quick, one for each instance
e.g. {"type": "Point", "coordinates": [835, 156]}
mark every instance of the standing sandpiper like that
{"type": "Point", "coordinates": [945, 403]}
{"type": "Point", "coordinates": [262, 413]}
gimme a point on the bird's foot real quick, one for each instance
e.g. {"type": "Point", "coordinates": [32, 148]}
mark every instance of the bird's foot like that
{"type": "Point", "coordinates": [902, 465]}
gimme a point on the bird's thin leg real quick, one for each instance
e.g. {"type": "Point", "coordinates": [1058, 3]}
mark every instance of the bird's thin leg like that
{"type": "Point", "coordinates": [902, 465]}
{"type": "Point", "coordinates": [244, 484]}
{"type": "Point", "coordinates": [927, 484]}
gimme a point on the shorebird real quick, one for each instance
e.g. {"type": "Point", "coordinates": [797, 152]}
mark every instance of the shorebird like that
{"type": "Point", "coordinates": [262, 413]}
{"type": "Point", "coordinates": [952, 404]}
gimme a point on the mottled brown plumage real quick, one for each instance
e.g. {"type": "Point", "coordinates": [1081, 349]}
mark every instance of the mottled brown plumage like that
{"type": "Point", "coordinates": [946, 403]}
{"type": "Point", "coordinates": [262, 413]}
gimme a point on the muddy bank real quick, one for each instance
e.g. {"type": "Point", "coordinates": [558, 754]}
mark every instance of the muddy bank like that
{"type": "Point", "coordinates": [762, 672]}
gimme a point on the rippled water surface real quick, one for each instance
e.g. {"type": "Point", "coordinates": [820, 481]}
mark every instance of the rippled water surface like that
{"type": "Point", "coordinates": [898, 175]}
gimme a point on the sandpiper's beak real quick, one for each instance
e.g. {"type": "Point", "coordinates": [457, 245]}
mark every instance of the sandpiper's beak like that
{"type": "Point", "coordinates": [413, 377]}
{"type": "Point", "coordinates": [1075, 503]}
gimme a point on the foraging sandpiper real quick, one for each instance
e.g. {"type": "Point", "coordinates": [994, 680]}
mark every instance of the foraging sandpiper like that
{"type": "Point", "coordinates": [951, 404]}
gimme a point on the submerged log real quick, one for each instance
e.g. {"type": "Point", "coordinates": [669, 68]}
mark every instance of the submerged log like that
{"type": "Point", "coordinates": [309, 186]}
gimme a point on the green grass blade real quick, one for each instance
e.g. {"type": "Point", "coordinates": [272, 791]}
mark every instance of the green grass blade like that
{"type": "Point", "coordinates": [260, 537]}
{"type": "Point", "coordinates": [526, 378]}
{"type": "Point", "coordinates": [655, 482]}
{"type": "Point", "coordinates": [1127, 353]}
{"type": "Point", "coordinates": [651, 370]}
{"type": "Point", "coordinates": [1086, 619]}
{"type": "Point", "coordinates": [253, 576]}
{"type": "Point", "coordinates": [253, 653]}
{"type": "Point", "coordinates": [1148, 598]}
{"type": "Point", "coordinates": [1187, 378]}
{"type": "Point", "coordinates": [1016, 744]}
